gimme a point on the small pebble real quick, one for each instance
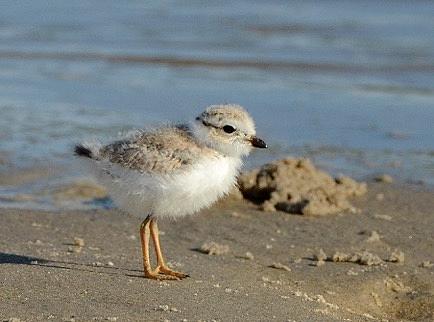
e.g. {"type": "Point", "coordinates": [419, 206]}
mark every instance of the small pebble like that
{"type": "Point", "coordinates": [280, 266]}
{"type": "Point", "coordinates": [321, 256]}
{"type": "Point", "coordinates": [267, 206]}
{"type": "Point", "coordinates": [379, 196]}
{"type": "Point", "coordinates": [369, 316]}
{"type": "Point", "coordinates": [397, 256]}
{"type": "Point", "coordinates": [79, 242]}
{"type": "Point", "coordinates": [350, 272]}
{"type": "Point", "coordinates": [426, 264]}
{"type": "Point", "coordinates": [396, 285]}
{"type": "Point", "coordinates": [74, 249]}
{"type": "Point", "coordinates": [213, 248]}
{"type": "Point", "coordinates": [163, 308]}
{"type": "Point", "coordinates": [384, 217]}
{"type": "Point", "coordinates": [265, 278]}
{"type": "Point", "coordinates": [374, 237]}
{"type": "Point", "coordinates": [248, 255]}
{"type": "Point", "coordinates": [385, 178]}
{"type": "Point", "coordinates": [377, 299]}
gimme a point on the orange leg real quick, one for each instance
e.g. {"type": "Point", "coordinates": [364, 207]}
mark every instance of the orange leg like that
{"type": "Point", "coordinates": [162, 272]}
{"type": "Point", "coordinates": [162, 267]}
{"type": "Point", "coordinates": [144, 237]}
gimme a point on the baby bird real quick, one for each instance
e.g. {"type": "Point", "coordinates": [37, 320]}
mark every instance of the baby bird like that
{"type": "Point", "coordinates": [173, 171]}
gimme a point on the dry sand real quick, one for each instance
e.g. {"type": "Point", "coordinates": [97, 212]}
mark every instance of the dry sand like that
{"type": "Point", "coordinates": [86, 265]}
{"type": "Point", "coordinates": [296, 186]}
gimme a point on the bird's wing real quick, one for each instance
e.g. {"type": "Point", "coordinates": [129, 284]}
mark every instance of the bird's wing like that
{"type": "Point", "coordinates": [163, 151]}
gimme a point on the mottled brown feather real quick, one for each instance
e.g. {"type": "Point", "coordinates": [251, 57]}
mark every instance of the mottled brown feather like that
{"type": "Point", "coordinates": [162, 151]}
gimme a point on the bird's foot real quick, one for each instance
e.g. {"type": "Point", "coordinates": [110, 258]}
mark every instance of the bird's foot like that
{"type": "Point", "coordinates": [166, 271]}
{"type": "Point", "coordinates": [155, 275]}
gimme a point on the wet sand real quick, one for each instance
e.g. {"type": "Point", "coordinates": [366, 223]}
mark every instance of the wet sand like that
{"type": "Point", "coordinates": [276, 266]}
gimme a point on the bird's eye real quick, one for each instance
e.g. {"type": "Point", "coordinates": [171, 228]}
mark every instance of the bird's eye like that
{"type": "Point", "coordinates": [228, 129]}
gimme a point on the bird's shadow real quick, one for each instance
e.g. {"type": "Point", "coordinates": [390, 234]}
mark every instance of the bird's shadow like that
{"type": "Point", "coordinates": [15, 259]}
{"type": "Point", "coordinates": [6, 258]}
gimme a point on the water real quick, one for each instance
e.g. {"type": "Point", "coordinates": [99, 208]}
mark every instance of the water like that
{"type": "Point", "coordinates": [349, 84]}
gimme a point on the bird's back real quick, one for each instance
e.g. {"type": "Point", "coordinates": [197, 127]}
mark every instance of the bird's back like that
{"type": "Point", "coordinates": [162, 151]}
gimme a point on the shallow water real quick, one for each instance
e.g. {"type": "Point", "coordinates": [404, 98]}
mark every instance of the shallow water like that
{"type": "Point", "coordinates": [349, 84]}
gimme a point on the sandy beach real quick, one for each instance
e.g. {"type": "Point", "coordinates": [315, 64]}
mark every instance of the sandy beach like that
{"type": "Point", "coordinates": [346, 86]}
{"type": "Point", "coordinates": [86, 265]}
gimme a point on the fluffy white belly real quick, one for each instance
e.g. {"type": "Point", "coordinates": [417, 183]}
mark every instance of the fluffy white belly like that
{"type": "Point", "coordinates": [188, 192]}
{"type": "Point", "coordinates": [170, 195]}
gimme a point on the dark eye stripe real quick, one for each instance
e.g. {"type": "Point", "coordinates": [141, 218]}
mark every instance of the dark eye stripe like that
{"type": "Point", "coordinates": [227, 128]}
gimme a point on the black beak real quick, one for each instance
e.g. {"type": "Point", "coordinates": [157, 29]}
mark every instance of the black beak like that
{"type": "Point", "coordinates": [258, 143]}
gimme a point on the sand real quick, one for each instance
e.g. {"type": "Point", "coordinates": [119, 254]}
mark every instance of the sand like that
{"type": "Point", "coordinates": [86, 265]}
{"type": "Point", "coordinates": [296, 186]}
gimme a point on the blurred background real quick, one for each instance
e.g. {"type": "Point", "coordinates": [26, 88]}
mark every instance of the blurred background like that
{"type": "Point", "coordinates": [349, 84]}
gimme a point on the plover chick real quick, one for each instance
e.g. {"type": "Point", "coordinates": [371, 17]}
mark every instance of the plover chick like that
{"type": "Point", "coordinates": [173, 171]}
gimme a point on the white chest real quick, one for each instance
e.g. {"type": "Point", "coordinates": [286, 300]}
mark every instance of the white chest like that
{"type": "Point", "coordinates": [199, 187]}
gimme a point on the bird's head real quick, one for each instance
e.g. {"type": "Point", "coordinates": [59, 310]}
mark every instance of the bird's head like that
{"type": "Point", "coordinates": [228, 129]}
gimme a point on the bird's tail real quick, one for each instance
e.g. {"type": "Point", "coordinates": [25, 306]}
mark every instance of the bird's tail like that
{"type": "Point", "coordinates": [87, 150]}
{"type": "Point", "coordinates": [82, 151]}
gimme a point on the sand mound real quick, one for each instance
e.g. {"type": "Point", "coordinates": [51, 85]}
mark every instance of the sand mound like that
{"type": "Point", "coordinates": [296, 186]}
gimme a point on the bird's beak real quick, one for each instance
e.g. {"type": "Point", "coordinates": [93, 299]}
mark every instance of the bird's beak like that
{"type": "Point", "coordinates": [257, 142]}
